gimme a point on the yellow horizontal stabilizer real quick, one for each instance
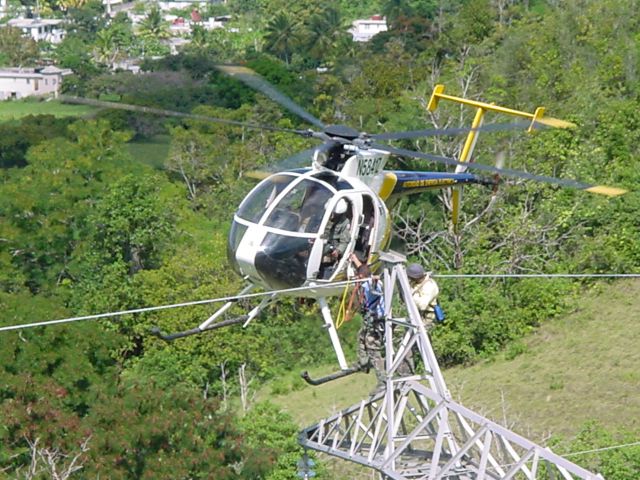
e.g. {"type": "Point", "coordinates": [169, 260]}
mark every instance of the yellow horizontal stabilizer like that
{"type": "Point", "coordinates": [604, 190]}
{"type": "Point", "coordinates": [555, 122]}
{"type": "Point", "coordinates": [388, 184]}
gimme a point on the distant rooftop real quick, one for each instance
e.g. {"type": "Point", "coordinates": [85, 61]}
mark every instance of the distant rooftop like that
{"type": "Point", "coordinates": [33, 22]}
{"type": "Point", "coordinates": [33, 72]}
{"type": "Point", "coordinates": [364, 30]}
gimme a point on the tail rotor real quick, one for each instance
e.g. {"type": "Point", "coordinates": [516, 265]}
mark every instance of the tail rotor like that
{"type": "Point", "coordinates": [500, 161]}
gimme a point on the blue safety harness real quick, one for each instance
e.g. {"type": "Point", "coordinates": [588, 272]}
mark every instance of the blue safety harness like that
{"type": "Point", "coordinates": [372, 299]}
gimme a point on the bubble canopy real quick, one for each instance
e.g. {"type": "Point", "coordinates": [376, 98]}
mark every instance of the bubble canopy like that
{"type": "Point", "coordinates": [275, 229]}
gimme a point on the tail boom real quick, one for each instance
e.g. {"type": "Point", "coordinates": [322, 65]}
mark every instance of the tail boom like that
{"type": "Point", "coordinates": [409, 183]}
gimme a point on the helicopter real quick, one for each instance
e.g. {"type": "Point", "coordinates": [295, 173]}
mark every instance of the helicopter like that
{"type": "Point", "coordinates": [282, 234]}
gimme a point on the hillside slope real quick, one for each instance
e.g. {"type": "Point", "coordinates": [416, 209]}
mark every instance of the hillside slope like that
{"type": "Point", "coordinates": [575, 368]}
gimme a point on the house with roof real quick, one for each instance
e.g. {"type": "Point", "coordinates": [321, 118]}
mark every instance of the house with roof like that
{"type": "Point", "coordinates": [18, 83]}
{"type": "Point", "coordinates": [365, 29]}
{"type": "Point", "coordinates": [40, 29]}
{"type": "Point", "coordinates": [178, 26]}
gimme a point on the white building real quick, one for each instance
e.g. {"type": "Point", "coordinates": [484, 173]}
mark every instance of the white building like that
{"type": "Point", "coordinates": [180, 4]}
{"type": "Point", "coordinates": [127, 64]}
{"type": "Point", "coordinates": [365, 30]}
{"type": "Point", "coordinates": [212, 23]}
{"type": "Point", "coordinates": [108, 4]}
{"type": "Point", "coordinates": [25, 82]}
{"type": "Point", "coordinates": [40, 29]}
{"type": "Point", "coordinates": [180, 26]}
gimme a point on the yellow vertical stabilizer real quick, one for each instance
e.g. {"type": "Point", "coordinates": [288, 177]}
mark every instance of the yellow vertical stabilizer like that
{"type": "Point", "coordinates": [482, 107]}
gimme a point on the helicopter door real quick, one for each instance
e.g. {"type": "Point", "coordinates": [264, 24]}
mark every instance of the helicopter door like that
{"type": "Point", "coordinates": [365, 228]}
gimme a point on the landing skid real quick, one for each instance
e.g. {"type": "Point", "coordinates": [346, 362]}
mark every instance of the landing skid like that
{"type": "Point", "coordinates": [212, 324]}
{"type": "Point", "coordinates": [209, 324]}
{"type": "Point", "coordinates": [328, 378]}
{"type": "Point", "coordinates": [169, 337]}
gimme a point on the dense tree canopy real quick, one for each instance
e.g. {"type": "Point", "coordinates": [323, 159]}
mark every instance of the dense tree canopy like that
{"type": "Point", "coordinates": [87, 227]}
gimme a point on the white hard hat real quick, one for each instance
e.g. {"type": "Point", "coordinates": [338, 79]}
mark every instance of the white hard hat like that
{"type": "Point", "coordinates": [341, 207]}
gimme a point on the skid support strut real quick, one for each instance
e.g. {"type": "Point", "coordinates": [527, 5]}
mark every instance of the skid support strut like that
{"type": "Point", "coordinates": [413, 429]}
{"type": "Point", "coordinates": [211, 324]}
{"type": "Point", "coordinates": [333, 333]}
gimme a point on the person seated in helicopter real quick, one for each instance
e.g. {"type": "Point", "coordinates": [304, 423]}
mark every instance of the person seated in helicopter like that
{"type": "Point", "coordinates": [338, 238]}
{"type": "Point", "coordinates": [336, 157]}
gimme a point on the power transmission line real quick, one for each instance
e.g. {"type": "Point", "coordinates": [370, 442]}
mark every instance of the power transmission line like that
{"type": "Point", "coordinates": [302, 289]}
{"type": "Point", "coordinates": [537, 275]}
{"type": "Point", "coordinates": [584, 452]}
{"type": "Point", "coordinates": [595, 450]}
{"type": "Point", "coordinates": [178, 305]}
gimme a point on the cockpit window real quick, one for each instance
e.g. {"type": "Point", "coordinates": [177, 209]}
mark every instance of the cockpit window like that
{"type": "Point", "coordinates": [261, 198]}
{"type": "Point", "coordinates": [334, 180]}
{"type": "Point", "coordinates": [302, 209]}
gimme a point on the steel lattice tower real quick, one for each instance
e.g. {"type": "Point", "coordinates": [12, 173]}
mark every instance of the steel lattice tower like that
{"type": "Point", "coordinates": [413, 429]}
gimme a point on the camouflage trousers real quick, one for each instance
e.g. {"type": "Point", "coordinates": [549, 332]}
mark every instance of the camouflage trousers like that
{"type": "Point", "coordinates": [370, 347]}
{"type": "Point", "coordinates": [428, 319]}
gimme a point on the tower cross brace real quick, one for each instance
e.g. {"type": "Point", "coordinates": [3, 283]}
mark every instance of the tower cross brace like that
{"type": "Point", "coordinates": [413, 429]}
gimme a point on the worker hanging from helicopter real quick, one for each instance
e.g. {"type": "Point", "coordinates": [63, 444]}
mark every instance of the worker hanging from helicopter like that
{"type": "Point", "coordinates": [371, 334]}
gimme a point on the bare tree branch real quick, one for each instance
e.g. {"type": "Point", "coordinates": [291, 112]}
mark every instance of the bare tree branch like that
{"type": "Point", "coordinates": [52, 462]}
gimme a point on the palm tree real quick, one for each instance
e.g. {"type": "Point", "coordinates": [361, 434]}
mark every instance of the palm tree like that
{"type": "Point", "coordinates": [67, 4]}
{"type": "Point", "coordinates": [198, 36]}
{"type": "Point", "coordinates": [282, 36]}
{"type": "Point", "coordinates": [325, 33]}
{"type": "Point", "coordinates": [105, 48]}
{"type": "Point", "coordinates": [395, 9]}
{"type": "Point", "coordinates": [153, 26]}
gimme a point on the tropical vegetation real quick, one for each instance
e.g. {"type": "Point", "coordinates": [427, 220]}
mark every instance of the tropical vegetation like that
{"type": "Point", "coordinates": [87, 228]}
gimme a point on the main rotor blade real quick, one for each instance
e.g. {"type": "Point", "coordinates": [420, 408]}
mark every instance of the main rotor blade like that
{"type": "Point", "coordinates": [255, 81]}
{"type": "Point", "coordinates": [493, 127]}
{"type": "Point", "coordinates": [599, 189]}
{"type": "Point", "coordinates": [298, 160]}
{"type": "Point", "coordinates": [171, 113]}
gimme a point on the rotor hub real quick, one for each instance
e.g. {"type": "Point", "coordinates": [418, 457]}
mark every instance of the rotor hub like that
{"type": "Point", "coordinates": [342, 131]}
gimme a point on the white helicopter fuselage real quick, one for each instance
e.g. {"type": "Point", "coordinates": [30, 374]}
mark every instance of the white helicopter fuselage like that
{"type": "Point", "coordinates": [281, 233]}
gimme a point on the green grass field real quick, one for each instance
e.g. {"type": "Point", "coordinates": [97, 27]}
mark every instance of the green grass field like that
{"type": "Point", "coordinates": [575, 368]}
{"type": "Point", "coordinates": [152, 151]}
{"type": "Point", "coordinates": [15, 109]}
